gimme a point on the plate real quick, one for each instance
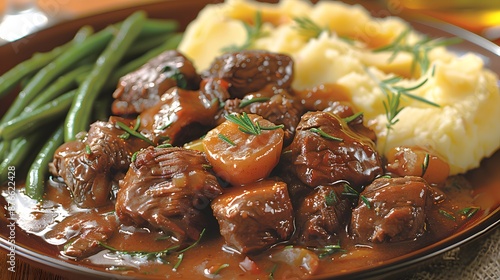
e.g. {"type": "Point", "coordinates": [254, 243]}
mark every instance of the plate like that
{"type": "Point", "coordinates": [30, 249]}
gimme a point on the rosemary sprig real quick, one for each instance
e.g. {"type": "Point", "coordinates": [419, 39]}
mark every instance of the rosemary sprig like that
{"type": "Point", "coordinates": [353, 117]}
{"type": "Point", "coordinates": [148, 255]}
{"type": "Point", "coordinates": [134, 156]}
{"type": "Point", "coordinates": [273, 270]}
{"type": "Point", "coordinates": [164, 146]}
{"type": "Point", "coordinates": [180, 257]}
{"type": "Point", "coordinates": [468, 211]}
{"type": "Point", "coordinates": [221, 267]}
{"type": "Point", "coordinates": [309, 28]}
{"type": "Point", "coordinates": [325, 135]}
{"type": "Point", "coordinates": [393, 93]}
{"type": "Point", "coordinates": [447, 215]}
{"type": "Point", "coordinates": [165, 126]}
{"type": "Point", "coordinates": [253, 34]}
{"type": "Point", "coordinates": [328, 250]}
{"type": "Point", "coordinates": [425, 164]}
{"type": "Point", "coordinates": [247, 102]}
{"type": "Point", "coordinates": [176, 75]}
{"type": "Point", "coordinates": [419, 51]}
{"type": "Point", "coordinates": [350, 191]}
{"type": "Point", "coordinates": [331, 198]}
{"type": "Point", "coordinates": [225, 139]}
{"type": "Point", "coordinates": [194, 244]}
{"type": "Point", "coordinates": [246, 125]}
{"type": "Point", "coordinates": [134, 133]}
{"type": "Point", "coordinates": [88, 151]}
{"type": "Point", "coordinates": [137, 124]}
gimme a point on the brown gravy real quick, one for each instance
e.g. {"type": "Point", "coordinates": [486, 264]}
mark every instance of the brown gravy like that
{"type": "Point", "coordinates": [210, 258]}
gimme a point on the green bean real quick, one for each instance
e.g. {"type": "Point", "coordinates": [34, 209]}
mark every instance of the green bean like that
{"type": "Point", "coordinates": [141, 46]}
{"type": "Point", "coordinates": [46, 75]}
{"type": "Point", "coordinates": [12, 77]}
{"type": "Point", "coordinates": [37, 173]}
{"type": "Point", "coordinates": [155, 27]}
{"type": "Point", "coordinates": [19, 153]}
{"type": "Point", "coordinates": [4, 147]}
{"type": "Point", "coordinates": [25, 123]}
{"type": "Point", "coordinates": [170, 43]}
{"type": "Point", "coordinates": [78, 118]}
{"type": "Point", "coordinates": [61, 85]}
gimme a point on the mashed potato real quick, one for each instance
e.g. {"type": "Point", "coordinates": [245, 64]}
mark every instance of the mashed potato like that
{"type": "Point", "coordinates": [463, 130]}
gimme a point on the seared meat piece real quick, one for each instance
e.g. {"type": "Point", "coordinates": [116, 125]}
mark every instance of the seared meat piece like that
{"type": "Point", "coordinates": [342, 109]}
{"type": "Point", "coordinates": [254, 217]}
{"type": "Point", "coordinates": [82, 232]}
{"type": "Point", "coordinates": [345, 110]}
{"type": "Point", "coordinates": [91, 167]}
{"type": "Point", "coordinates": [278, 108]}
{"type": "Point", "coordinates": [169, 189]}
{"type": "Point", "coordinates": [323, 214]}
{"type": "Point", "coordinates": [251, 70]}
{"type": "Point", "coordinates": [142, 88]}
{"type": "Point", "coordinates": [397, 210]}
{"type": "Point", "coordinates": [319, 160]}
{"type": "Point", "coordinates": [183, 115]}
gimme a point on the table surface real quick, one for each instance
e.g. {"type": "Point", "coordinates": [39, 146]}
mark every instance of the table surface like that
{"type": "Point", "coordinates": [485, 250]}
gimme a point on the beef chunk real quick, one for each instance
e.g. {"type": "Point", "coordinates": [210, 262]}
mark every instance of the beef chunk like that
{"type": "Point", "coordinates": [323, 214]}
{"type": "Point", "coordinates": [91, 166]}
{"type": "Point", "coordinates": [183, 115]}
{"type": "Point", "coordinates": [320, 160]}
{"type": "Point", "coordinates": [82, 232]}
{"type": "Point", "coordinates": [142, 88]}
{"type": "Point", "coordinates": [279, 108]}
{"type": "Point", "coordinates": [256, 216]}
{"type": "Point", "coordinates": [345, 110]}
{"type": "Point", "coordinates": [169, 189]}
{"type": "Point", "coordinates": [251, 70]}
{"type": "Point", "coordinates": [397, 210]}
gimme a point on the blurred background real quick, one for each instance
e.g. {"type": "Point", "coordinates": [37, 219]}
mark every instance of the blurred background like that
{"type": "Point", "coordinates": [21, 17]}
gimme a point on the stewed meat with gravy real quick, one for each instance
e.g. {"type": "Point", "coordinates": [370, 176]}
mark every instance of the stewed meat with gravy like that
{"type": "Point", "coordinates": [345, 110]}
{"type": "Point", "coordinates": [141, 89]}
{"type": "Point", "coordinates": [183, 115]}
{"type": "Point", "coordinates": [83, 231]}
{"type": "Point", "coordinates": [169, 189]}
{"type": "Point", "coordinates": [322, 215]}
{"type": "Point", "coordinates": [251, 70]}
{"type": "Point", "coordinates": [254, 217]}
{"type": "Point", "coordinates": [91, 167]}
{"type": "Point", "coordinates": [277, 107]}
{"type": "Point", "coordinates": [394, 210]}
{"type": "Point", "coordinates": [325, 150]}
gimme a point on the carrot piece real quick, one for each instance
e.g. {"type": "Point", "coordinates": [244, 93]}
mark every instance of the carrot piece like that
{"type": "Point", "coordinates": [241, 157]}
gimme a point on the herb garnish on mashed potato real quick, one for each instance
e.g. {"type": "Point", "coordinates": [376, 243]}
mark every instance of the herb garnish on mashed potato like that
{"type": "Point", "coordinates": [347, 50]}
